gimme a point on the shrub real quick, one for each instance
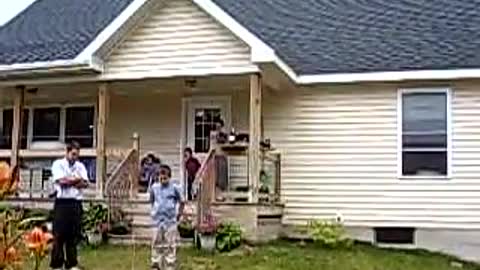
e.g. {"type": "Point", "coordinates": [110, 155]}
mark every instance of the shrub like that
{"type": "Point", "coordinates": [229, 237]}
{"type": "Point", "coordinates": [329, 234]}
{"type": "Point", "coordinates": [94, 217]}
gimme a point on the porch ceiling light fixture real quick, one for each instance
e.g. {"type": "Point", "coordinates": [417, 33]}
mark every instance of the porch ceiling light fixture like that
{"type": "Point", "coordinates": [191, 84]}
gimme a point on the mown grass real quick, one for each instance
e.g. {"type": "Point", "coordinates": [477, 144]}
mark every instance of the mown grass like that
{"type": "Point", "coordinates": [275, 256]}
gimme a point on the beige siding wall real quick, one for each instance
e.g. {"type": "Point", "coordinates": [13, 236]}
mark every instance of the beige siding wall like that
{"type": "Point", "coordinates": [155, 118]}
{"type": "Point", "coordinates": [177, 36]}
{"type": "Point", "coordinates": [339, 148]}
{"type": "Point", "coordinates": [158, 121]}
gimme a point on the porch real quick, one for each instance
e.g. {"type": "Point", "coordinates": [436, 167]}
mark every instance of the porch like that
{"type": "Point", "coordinates": [120, 122]}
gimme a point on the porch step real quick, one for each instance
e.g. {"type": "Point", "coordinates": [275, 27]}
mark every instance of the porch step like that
{"type": "Point", "coordinates": [129, 240]}
{"type": "Point", "coordinates": [235, 196]}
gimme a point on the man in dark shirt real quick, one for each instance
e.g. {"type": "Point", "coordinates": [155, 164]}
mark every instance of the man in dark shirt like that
{"type": "Point", "coordinates": [192, 165]}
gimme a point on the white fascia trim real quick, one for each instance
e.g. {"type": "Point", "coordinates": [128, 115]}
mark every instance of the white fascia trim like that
{"type": "Point", "coordinates": [43, 67]}
{"type": "Point", "coordinates": [261, 52]}
{"type": "Point", "coordinates": [390, 76]}
{"type": "Point", "coordinates": [178, 73]}
{"type": "Point", "coordinates": [109, 31]}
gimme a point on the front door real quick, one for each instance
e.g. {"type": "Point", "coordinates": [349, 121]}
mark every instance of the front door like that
{"type": "Point", "coordinates": [202, 116]}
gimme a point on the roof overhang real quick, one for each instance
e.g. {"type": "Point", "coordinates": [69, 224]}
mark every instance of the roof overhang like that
{"type": "Point", "coordinates": [85, 62]}
{"type": "Point", "coordinates": [261, 53]}
{"type": "Point", "coordinates": [50, 68]}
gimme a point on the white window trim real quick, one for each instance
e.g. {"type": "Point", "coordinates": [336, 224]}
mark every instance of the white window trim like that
{"type": "Point", "coordinates": [63, 108]}
{"type": "Point", "coordinates": [400, 93]}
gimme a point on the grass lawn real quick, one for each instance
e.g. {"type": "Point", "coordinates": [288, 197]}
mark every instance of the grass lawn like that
{"type": "Point", "coordinates": [275, 257]}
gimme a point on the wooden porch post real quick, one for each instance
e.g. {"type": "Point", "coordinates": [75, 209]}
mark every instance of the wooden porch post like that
{"type": "Point", "coordinates": [18, 103]}
{"type": "Point", "coordinates": [102, 117]}
{"type": "Point", "coordinates": [254, 165]}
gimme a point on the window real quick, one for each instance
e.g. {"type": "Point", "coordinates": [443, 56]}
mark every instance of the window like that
{"type": "Point", "coordinates": [51, 124]}
{"type": "Point", "coordinates": [7, 124]}
{"type": "Point", "coordinates": [46, 124]}
{"type": "Point", "coordinates": [79, 125]}
{"type": "Point", "coordinates": [205, 122]}
{"type": "Point", "coordinates": [424, 138]}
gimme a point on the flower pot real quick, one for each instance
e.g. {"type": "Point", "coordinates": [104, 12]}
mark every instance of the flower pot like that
{"type": "Point", "coordinates": [186, 232]}
{"type": "Point", "coordinates": [207, 242]}
{"type": "Point", "coordinates": [94, 238]}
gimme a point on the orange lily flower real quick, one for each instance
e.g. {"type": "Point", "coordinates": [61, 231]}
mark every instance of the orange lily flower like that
{"type": "Point", "coordinates": [37, 241]}
{"type": "Point", "coordinates": [8, 179]}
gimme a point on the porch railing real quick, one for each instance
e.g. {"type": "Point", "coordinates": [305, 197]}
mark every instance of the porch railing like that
{"type": "Point", "coordinates": [122, 182]}
{"type": "Point", "coordinates": [206, 179]}
{"type": "Point", "coordinates": [34, 183]}
{"type": "Point", "coordinates": [270, 178]}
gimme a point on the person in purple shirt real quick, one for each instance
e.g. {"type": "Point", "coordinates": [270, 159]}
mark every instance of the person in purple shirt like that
{"type": "Point", "coordinates": [192, 166]}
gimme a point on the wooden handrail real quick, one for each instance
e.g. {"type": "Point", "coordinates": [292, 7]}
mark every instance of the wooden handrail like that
{"type": "Point", "coordinates": [206, 180]}
{"type": "Point", "coordinates": [203, 167]}
{"type": "Point", "coordinates": [122, 183]}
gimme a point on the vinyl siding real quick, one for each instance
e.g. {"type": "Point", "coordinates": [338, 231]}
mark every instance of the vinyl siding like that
{"type": "Point", "coordinates": [158, 121]}
{"type": "Point", "coordinates": [177, 36]}
{"type": "Point", "coordinates": [339, 147]}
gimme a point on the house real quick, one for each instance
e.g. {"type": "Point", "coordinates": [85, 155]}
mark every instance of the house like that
{"type": "Point", "coordinates": [373, 106]}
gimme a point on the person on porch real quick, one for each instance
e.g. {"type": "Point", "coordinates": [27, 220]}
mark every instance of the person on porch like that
{"type": "Point", "coordinates": [192, 166]}
{"type": "Point", "coordinates": [69, 179]}
{"type": "Point", "coordinates": [149, 171]}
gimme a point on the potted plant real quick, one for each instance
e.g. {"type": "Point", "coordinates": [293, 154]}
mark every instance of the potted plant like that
{"type": "Point", "coordinates": [94, 223]}
{"type": "Point", "coordinates": [186, 228]}
{"type": "Point", "coordinates": [206, 233]}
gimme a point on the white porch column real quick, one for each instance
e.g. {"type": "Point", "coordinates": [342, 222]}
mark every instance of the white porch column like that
{"type": "Point", "coordinates": [18, 103]}
{"type": "Point", "coordinates": [101, 132]}
{"type": "Point", "coordinates": [255, 132]}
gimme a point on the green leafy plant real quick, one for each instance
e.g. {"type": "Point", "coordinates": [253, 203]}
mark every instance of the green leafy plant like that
{"type": "Point", "coordinates": [229, 237]}
{"type": "Point", "coordinates": [94, 218]}
{"type": "Point", "coordinates": [329, 233]}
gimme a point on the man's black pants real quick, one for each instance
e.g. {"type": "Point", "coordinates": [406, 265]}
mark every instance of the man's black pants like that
{"type": "Point", "coordinates": [66, 232]}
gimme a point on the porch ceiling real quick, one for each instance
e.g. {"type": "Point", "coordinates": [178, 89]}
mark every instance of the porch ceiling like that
{"type": "Point", "coordinates": [181, 86]}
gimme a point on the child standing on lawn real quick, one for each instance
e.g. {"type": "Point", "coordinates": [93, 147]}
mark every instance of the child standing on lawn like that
{"type": "Point", "coordinates": [165, 197]}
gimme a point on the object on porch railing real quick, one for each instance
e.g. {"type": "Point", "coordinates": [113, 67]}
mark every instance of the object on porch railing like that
{"type": "Point", "coordinates": [270, 177]}
{"type": "Point", "coordinates": [206, 180]}
{"type": "Point", "coordinates": [270, 160]}
{"type": "Point", "coordinates": [121, 185]}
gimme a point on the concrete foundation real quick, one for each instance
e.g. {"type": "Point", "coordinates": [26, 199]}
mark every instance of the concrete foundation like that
{"type": "Point", "coordinates": [464, 244]}
{"type": "Point", "coordinates": [260, 223]}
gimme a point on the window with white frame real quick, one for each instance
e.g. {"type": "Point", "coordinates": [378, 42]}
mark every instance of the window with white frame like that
{"type": "Point", "coordinates": [424, 134]}
{"type": "Point", "coordinates": [206, 120]}
{"type": "Point", "coordinates": [64, 124]}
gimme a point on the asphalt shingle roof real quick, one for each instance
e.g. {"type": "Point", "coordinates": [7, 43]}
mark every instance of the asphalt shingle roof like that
{"type": "Point", "coordinates": [50, 30]}
{"type": "Point", "coordinates": [345, 36]}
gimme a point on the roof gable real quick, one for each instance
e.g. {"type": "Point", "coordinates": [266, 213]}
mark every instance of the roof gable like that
{"type": "Point", "coordinates": [178, 38]}
{"type": "Point", "coordinates": [52, 30]}
{"type": "Point", "coordinates": [328, 37]}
